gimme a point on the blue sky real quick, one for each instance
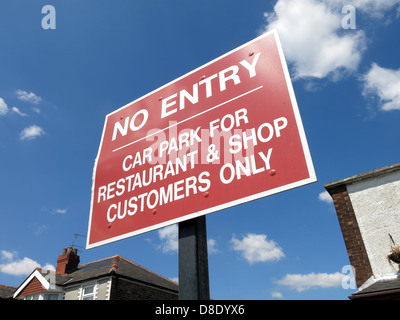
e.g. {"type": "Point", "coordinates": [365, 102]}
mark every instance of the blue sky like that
{"type": "Point", "coordinates": [57, 86]}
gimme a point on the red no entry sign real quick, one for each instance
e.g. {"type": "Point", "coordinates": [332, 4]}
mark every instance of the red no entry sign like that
{"type": "Point", "coordinates": [223, 134]}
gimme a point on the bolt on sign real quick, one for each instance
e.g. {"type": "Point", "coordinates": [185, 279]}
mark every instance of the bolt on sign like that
{"type": "Point", "coordinates": [223, 134]}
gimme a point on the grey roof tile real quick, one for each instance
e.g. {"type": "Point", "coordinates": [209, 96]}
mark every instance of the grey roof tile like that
{"type": "Point", "coordinates": [119, 266]}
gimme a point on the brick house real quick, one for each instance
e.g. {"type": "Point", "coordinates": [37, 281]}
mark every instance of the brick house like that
{"type": "Point", "coordinates": [368, 210]}
{"type": "Point", "coordinates": [112, 278]}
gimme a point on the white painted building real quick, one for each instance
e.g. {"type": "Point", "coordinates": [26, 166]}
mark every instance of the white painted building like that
{"type": "Point", "coordinates": [368, 209]}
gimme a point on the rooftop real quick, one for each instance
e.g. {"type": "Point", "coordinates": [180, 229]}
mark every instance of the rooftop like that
{"type": "Point", "coordinates": [6, 292]}
{"type": "Point", "coordinates": [383, 285]}
{"type": "Point", "coordinates": [120, 266]}
{"type": "Point", "coordinates": [364, 175]}
{"type": "Point", "coordinates": [112, 266]}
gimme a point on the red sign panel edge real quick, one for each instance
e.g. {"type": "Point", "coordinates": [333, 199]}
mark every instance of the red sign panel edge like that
{"type": "Point", "coordinates": [312, 176]}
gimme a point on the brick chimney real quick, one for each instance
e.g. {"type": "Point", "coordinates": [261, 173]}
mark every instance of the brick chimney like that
{"type": "Point", "coordinates": [67, 261]}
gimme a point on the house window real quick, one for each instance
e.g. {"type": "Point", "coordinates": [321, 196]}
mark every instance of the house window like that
{"type": "Point", "coordinates": [88, 292]}
{"type": "Point", "coordinates": [32, 297]}
{"type": "Point", "coordinates": [42, 296]}
{"type": "Point", "coordinates": [51, 296]}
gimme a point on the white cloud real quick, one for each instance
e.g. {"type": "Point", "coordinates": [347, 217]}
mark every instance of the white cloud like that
{"type": "Point", "coordinates": [49, 266]}
{"type": "Point", "coordinates": [301, 282]}
{"type": "Point", "coordinates": [383, 83]}
{"type": "Point", "coordinates": [3, 107]}
{"type": "Point", "coordinates": [312, 38]}
{"type": "Point", "coordinates": [169, 239]}
{"type": "Point", "coordinates": [38, 229]}
{"type": "Point", "coordinates": [174, 279]}
{"type": "Point", "coordinates": [60, 211]}
{"type": "Point", "coordinates": [277, 295]}
{"type": "Point", "coordinates": [256, 248]}
{"type": "Point", "coordinates": [374, 8]}
{"type": "Point", "coordinates": [28, 96]}
{"type": "Point", "coordinates": [212, 246]}
{"type": "Point", "coordinates": [325, 197]}
{"type": "Point", "coordinates": [17, 111]}
{"type": "Point", "coordinates": [7, 255]}
{"type": "Point", "coordinates": [170, 242]}
{"type": "Point", "coordinates": [31, 132]}
{"type": "Point", "coordinates": [20, 267]}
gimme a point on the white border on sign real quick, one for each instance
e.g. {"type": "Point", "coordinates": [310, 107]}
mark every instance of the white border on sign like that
{"type": "Point", "coordinates": [306, 151]}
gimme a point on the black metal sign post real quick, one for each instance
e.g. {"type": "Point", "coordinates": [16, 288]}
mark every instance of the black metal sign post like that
{"type": "Point", "coordinates": [193, 260]}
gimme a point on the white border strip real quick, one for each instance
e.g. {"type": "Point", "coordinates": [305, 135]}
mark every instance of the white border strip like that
{"type": "Point", "coordinates": [303, 139]}
{"type": "Point", "coordinates": [296, 111]}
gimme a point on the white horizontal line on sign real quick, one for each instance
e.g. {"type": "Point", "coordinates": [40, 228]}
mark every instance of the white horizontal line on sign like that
{"type": "Point", "coordinates": [194, 116]}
